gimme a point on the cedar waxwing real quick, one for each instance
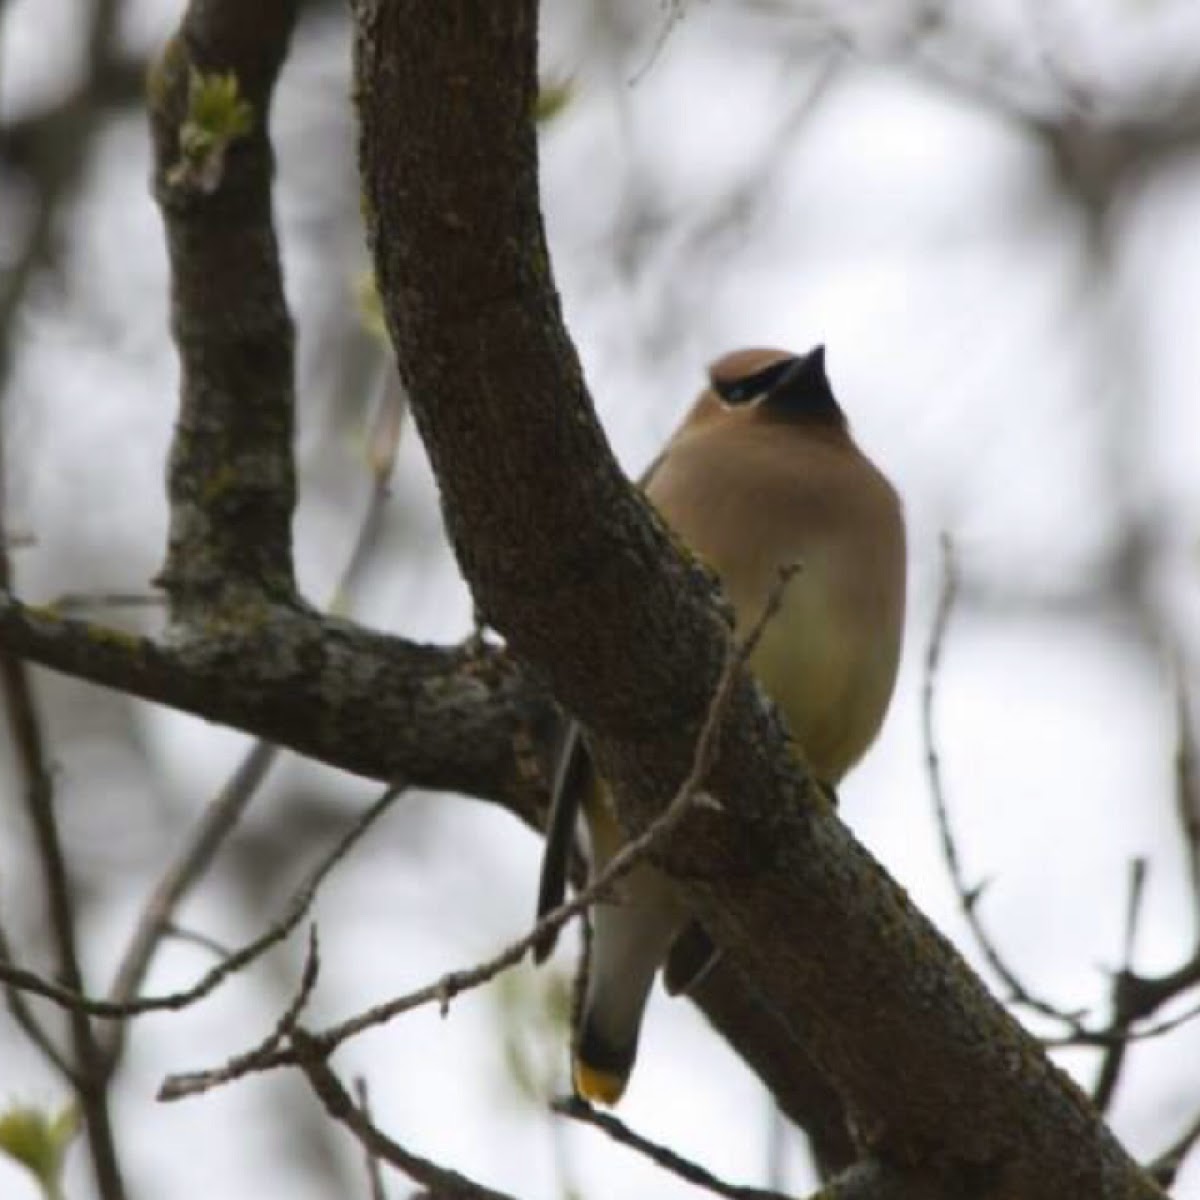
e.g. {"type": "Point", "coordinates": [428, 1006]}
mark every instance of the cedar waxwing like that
{"type": "Point", "coordinates": [762, 473]}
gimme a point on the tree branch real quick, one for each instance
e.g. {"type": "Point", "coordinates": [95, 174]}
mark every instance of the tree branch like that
{"type": "Point", "coordinates": [76, 1002]}
{"type": "Point", "coordinates": [231, 480]}
{"type": "Point", "coordinates": [969, 896]}
{"type": "Point", "coordinates": [565, 560]}
{"type": "Point", "coordinates": [86, 1067]}
{"type": "Point", "coordinates": [54, 149]}
{"type": "Point", "coordinates": [374, 1174]}
{"type": "Point", "coordinates": [664, 1156]}
{"type": "Point", "coordinates": [459, 719]}
{"type": "Point", "coordinates": [689, 797]}
{"type": "Point", "coordinates": [446, 1184]}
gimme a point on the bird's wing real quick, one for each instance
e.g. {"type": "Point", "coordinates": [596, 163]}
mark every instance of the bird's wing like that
{"type": "Point", "coordinates": [572, 777]}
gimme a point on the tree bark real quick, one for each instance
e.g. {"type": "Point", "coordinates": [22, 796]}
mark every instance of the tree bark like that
{"type": "Point", "coordinates": [567, 562]}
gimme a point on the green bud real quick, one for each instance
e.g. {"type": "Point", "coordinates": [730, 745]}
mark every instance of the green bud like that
{"type": "Point", "coordinates": [39, 1142]}
{"type": "Point", "coordinates": [552, 99]}
{"type": "Point", "coordinates": [217, 116]}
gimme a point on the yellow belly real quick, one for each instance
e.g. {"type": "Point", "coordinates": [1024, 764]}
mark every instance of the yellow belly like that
{"type": "Point", "coordinates": [828, 679]}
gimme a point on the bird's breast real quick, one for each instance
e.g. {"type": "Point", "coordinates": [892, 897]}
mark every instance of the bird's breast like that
{"type": "Point", "coordinates": [828, 657]}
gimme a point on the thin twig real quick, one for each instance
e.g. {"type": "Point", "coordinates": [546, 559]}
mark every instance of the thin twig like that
{"type": "Point", "coordinates": [38, 793]}
{"type": "Point", "coordinates": [672, 17]}
{"type": "Point", "coordinates": [25, 728]}
{"type": "Point", "coordinates": [443, 990]}
{"type": "Point", "coordinates": [28, 1021]}
{"type": "Point", "coordinates": [1187, 791]}
{"type": "Point", "coordinates": [294, 912]}
{"type": "Point", "coordinates": [258, 1057]}
{"type": "Point", "coordinates": [193, 937]}
{"type": "Point", "coordinates": [16, 685]}
{"type": "Point", "coordinates": [193, 859]}
{"type": "Point", "coordinates": [383, 444]}
{"type": "Point", "coordinates": [310, 1056]}
{"type": "Point", "coordinates": [1114, 1056]}
{"type": "Point", "coordinates": [308, 982]}
{"type": "Point", "coordinates": [580, 1110]}
{"type": "Point", "coordinates": [374, 1174]}
{"type": "Point", "coordinates": [1117, 1035]}
{"type": "Point", "coordinates": [1165, 1167]}
{"type": "Point", "coordinates": [968, 896]}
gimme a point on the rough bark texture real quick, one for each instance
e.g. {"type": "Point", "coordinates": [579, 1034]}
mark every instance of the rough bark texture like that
{"type": "Point", "coordinates": [458, 719]}
{"type": "Point", "coordinates": [231, 480]}
{"type": "Point", "coordinates": [568, 564]}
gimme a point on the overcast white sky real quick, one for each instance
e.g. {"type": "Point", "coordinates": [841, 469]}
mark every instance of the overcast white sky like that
{"type": "Point", "coordinates": [731, 186]}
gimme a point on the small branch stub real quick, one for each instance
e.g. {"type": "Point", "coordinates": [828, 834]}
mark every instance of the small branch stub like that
{"type": "Point", "coordinates": [217, 116]}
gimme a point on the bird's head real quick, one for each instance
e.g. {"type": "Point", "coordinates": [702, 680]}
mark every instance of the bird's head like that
{"type": "Point", "coordinates": [786, 385]}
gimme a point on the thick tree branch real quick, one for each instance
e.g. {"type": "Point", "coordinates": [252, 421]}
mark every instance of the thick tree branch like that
{"type": "Point", "coordinates": [566, 561]}
{"type": "Point", "coordinates": [458, 718]}
{"type": "Point", "coordinates": [231, 480]}
{"type": "Point", "coordinates": [888, 1181]}
{"type": "Point", "coordinates": [731, 1003]}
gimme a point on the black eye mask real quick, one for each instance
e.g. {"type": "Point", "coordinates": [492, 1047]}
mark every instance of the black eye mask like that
{"type": "Point", "coordinates": [750, 387]}
{"type": "Point", "coordinates": [792, 387]}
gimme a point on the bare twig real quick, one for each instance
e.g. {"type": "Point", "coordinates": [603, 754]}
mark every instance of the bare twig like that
{"type": "Point", "coordinates": [24, 721]}
{"type": "Point", "coordinates": [383, 442]}
{"type": "Point", "coordinates": [38, 792]}
{"type": "Point", "coordinates": [310, 1057]}
{"type": "Point", "coordinates": [1134, 997]}
{"type": "Point", "coordinates": [672, 16]}
{"type": "Point", "coordinates": [1117, 1034]}
{"type": "Point", "coordinates": [24, 1016]}
{"type": "Point", "coordinates": [968, 895]}
{"type": "Point", "coordinates": [1114, 1056]}
{"type": "Point", "coordinates": [308, 982]}
{"type": "Point", "coordinates": [1187, 790]}
{"type": "Point", "coordinates": [58, 150]}
{"type": "Point", "coordinates": [443, 990]}
{"type": "Point", "coordinates": [749, 188]}
{"type": "Point", "coordinates": [374, 1174]}
{"type": "Point", "coordinates": [194, 937]}
{"type": "Point", "coordinates": [579, 1110]}
{"type": "Point", "coordinates": [192, 860]}
{"type": "Point", "coordinates": [11, 295]}
{"type": "Point", "coordinates": [294, 912]}
{"type": "Point", "coordinates": [262, 1055]}
{"type": "Point", "coordinates": [1166, 1166]}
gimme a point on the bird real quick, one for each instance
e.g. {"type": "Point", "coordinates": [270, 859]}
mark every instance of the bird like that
{"type": "Point", "coordinates": [763, 473]}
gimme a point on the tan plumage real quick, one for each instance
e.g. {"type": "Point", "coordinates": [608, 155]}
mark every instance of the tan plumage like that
{"type": "Point", "coordinates": [763, 472]}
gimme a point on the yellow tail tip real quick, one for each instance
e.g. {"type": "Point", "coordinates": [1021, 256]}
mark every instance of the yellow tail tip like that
{"type": "Point", "coordinates": [599, 1087]}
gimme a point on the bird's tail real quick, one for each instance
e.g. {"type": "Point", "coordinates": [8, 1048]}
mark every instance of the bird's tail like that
{"type": "Point", "coordinates": [631, 936]}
